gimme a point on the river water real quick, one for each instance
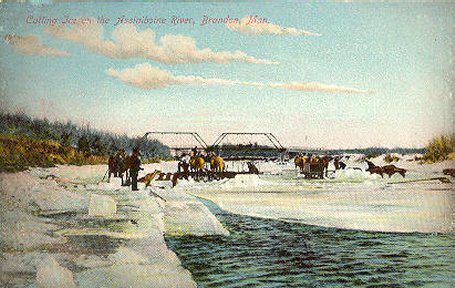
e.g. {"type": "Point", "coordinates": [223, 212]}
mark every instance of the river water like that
{"type": "Point", "coordinates": [271, 253]}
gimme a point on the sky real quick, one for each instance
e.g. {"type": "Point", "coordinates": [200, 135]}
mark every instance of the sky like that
{"type": "Point", "coordinates": [315, 74]}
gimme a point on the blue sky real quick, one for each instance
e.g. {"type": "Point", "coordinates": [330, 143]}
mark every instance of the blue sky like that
{"type": "Point", "coordinates": [393, 62]}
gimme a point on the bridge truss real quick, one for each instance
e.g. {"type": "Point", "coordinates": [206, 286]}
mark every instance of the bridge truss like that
{"type": "Point", "coordinates": [230, 145]}
{"type": "Point", "coordinates": [182, 141]}
{"type": "Point", "coordinates": [265, 146]}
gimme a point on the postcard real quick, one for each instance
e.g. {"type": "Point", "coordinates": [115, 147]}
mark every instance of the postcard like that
{"type": "Point", "coordinates": [227, 144]}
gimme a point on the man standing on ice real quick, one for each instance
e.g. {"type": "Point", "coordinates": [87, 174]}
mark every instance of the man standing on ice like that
{"type": "Point", "coordinates": [135, 167]}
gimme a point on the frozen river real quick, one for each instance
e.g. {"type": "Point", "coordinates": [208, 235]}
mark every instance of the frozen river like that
{"type": "Point", "coordinates": [348, 199]}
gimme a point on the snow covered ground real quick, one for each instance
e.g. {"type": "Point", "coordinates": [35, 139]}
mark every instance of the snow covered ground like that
{"type": "Point", "coordinates": [62, 227]}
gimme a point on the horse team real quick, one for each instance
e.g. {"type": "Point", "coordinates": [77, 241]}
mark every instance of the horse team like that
{"type": "Point", "coordinates": [317, 166]}
{"type": "Point", "coordinates": [314, 166]}
{"type": "Point", "coordinates": [197, 163]}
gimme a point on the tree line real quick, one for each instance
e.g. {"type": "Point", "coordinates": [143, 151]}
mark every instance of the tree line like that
{"type": "Point", "coordinates": [86, 140]}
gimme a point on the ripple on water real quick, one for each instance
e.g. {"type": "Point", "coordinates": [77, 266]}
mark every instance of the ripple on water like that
{"type": "Point", "coordinates": [269, 253]}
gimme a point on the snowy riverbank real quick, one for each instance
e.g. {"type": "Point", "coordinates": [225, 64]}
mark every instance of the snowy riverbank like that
{"type": "Point", "coordinates": [61, 226]}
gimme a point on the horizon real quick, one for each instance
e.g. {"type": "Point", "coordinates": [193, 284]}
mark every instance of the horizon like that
{"type": "Point", "coordinates": [210, 143]}
{"type": "Point", "coordinates": [323, 75]}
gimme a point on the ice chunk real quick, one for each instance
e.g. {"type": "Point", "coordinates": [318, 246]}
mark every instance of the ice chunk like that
{"type": "Point", "coordinates": [191, 218]}
{"type": "Point", "coordinates": [244, 180]}
{"type": "Point", "coordinates": [50, 274]}
{"type": "Point", "coordinates": [102, 206]}
{"type": "Point", "coordinates": [185, 215]}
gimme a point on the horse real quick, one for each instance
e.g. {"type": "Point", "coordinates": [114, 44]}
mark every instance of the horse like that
{"type": "Point", "coordinates": [148, 178]}
{"type": "Point", "coordinates": [124, 167]}
{"type": "Point", "coordinates": [197, 164]}
{"type": "Point", "coordinates": [299, 161]}
{"type": "Point", "coordinates": [120, 165]}
{"type": "Point", "coordinates": [216, 164]}
{"type": "Point", "coordinates": [325, 164]}
{"type": "Point", "coordinates": [392, 169]}
{"type": "Point", "coordinates": [315, 170]}
{"type": "Point", "coordinates": [252, 169]}
{"type": "Point", "coordinates": [373, 169]}
{"type": "Point", "coordinates": [387, 169]}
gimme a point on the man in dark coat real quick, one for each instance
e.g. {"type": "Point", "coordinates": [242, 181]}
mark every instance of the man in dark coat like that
{"type": "Point", "coordinates": [120, 162]}
{"type": "Point", "coordinates": [134, 168]}
{"type": "Point", "coordinates": [112, 167]}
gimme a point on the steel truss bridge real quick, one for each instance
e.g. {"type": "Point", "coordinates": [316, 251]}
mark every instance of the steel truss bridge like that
{"type": "Point", "coordinates": [237, 151]}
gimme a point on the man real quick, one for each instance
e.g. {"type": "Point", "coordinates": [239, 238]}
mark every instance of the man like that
{"type": "Point", "coordinates": [112, 167]}
{"type": "Point", "coordinates": [183, 167]}
{"type": "Point", "coordinates": [194, 152]}
{"type": "Point", "coordinates": [134, 168]}
{"type": "Point", "coordinates": [120, 161]}
{"type": "Point", "coordinates": [336, 162]}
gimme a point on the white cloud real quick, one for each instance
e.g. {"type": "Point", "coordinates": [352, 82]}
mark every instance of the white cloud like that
{"type": "Point", "coordinates": [31, 45]}
{"type": "Point", "coordinates": [247, 27]}
{"type": "Point", "coordinates": [146, 76]}
{"type": "Point", "coordinates": [315, 87]}
{"type": "Point", "coordinates": [128, 42]}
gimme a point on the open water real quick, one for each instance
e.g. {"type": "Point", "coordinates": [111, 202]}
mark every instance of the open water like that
{"type": "Point", "coordinates": [271, 253]}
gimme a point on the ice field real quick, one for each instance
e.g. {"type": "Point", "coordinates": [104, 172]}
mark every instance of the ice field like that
{"type": "Point", "coordinates": [348, 199]}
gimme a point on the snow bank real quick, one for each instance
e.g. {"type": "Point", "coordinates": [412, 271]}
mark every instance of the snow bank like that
{"type": "Point", "coordinates": [19, 269]}
{"type": "Point", "coordinates": [142, 261]}
{"type": "Point", "coordinates": [273, 167]}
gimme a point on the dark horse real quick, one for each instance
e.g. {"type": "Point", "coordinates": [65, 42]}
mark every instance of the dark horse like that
{"type": "Point", "coordinates": [387, 169]}
{"type": "Point", "coordinates": [252, 169]}
{"type": "Point", "coordinates": [325, 163]}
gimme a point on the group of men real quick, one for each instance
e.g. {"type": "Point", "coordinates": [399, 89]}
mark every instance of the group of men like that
{"type": "Point", "coordinates": [129, 165]}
